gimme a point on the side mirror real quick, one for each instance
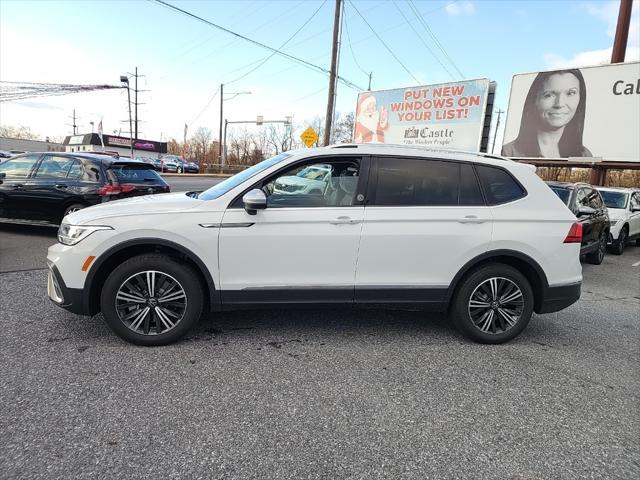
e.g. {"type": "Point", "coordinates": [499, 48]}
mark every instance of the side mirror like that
{"type": "Point", "coordinates": [254, 200]}
{"type": "Point", "coordinates": [586, 211]}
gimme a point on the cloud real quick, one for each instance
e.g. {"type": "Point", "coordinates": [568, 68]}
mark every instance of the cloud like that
{"type": "Point", "coordinates": [460, 8]}
{"type": "Point", "coordinates": [588, 58]}
{"type": "Point", "coordinates": [608, 13]}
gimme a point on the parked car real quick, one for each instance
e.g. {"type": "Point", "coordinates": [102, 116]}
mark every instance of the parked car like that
{"type": "Point", "coordinates": [624, 214]}
{"type": "Point", "coordinates": [45, 187]}
{"type": "Point", "coordinates": [312, 179]}
{"type": "Point", "coordinates": [587, 205]}
{"type": "Point", "coordinates": [479, 236]}
{"type": "Point", "coordinates": [169, 163]}
{"type": "Point", "coordinates": [4, 155]}
{"type": "Point", "coordinates": [188, 167]}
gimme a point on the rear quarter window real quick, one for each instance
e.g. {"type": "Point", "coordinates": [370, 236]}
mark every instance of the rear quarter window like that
{"type": "Point", "coordinates": [498, 185]}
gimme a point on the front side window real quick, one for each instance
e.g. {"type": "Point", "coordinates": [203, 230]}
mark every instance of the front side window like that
{"type": "Point", "coordinates": [327, 184]}
{"type": "Point", "coordinates": [499, 186]}
{"type": "Point", "coordinates": [420, 182]}
{"type": "Point", "coordinates": [54, 167]}
{"type": "Point", "coordinates": [19, 167]}
{"type": "Point", "coordinates": [635, 201]}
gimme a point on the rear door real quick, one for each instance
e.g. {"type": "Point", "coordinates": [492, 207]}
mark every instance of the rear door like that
{"type": "Point", "coordinates": [423, 220]}
{"type": "Point", "coordinates": [14, 199]}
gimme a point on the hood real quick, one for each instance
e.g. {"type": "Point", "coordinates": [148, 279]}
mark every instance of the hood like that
{"type": "Point", "coordinates": [616, 213]}
{"type": "Point", "coordinates": [148, 204]}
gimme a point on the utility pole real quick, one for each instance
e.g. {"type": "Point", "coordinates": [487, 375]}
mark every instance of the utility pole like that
{"type": "Point", "coordinates": [622, 31]}
{"type": "Point", "coordinates": [495, 132]}
{"type": "Point", "coordinates": [333, 74]}
{"type": "Point", "coordinates": [220, 134]}
{"type": "Point", "coordinates": [136, 103]}
{"type": "Point", "coordinates": [73, 125]}
{"type": "Point", "coordinates": [369, 87]}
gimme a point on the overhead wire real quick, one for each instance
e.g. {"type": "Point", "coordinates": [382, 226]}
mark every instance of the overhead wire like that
{"type": "Point", "coordinates": [395, 4]}
{"type": "Point", "coordinates": [300, 61]}
{"type": "Point", "coordinates": [355, 60]}
{"type": "Point", "coordinates": [384, 43]}
{"type": "Point", "coordinates": [433, 36]}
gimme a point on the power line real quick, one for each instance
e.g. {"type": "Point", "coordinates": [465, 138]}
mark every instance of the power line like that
{"type": "Point", "coordinates": [433, 35]}
{"type": "Point", "coordinates": [395, 4]}
{"type": "Point", "coordinates": [355, 60]}
{"type": "Point", "coordinates": [10, 91]}
{"type": "Point", "coordinates": [383, 43]}
{"type": "Point", "coordinates": [215, 94]}
{"type": "Point", "coordinates": [255, 42]}
{"type": "Point", "coordinates": [265, 60]}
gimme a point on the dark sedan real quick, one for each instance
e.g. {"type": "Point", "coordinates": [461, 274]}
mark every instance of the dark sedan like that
{"type": "Point", "coordinates": [587, 205]}
{"type": "Point", "coordinates": [44, 187]}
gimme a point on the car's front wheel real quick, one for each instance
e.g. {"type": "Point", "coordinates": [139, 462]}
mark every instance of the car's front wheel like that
{"type": "Point", "coordinates": [492, 304]}
{"type": "Point", "coordinates": [152, 299]}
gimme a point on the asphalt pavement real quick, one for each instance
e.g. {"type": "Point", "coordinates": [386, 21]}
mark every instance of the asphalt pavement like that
{"type": "Point", "coordinates": [322, 394]}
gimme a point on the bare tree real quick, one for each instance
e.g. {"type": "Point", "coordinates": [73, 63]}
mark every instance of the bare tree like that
{"type": "Point", "coordinates": [23, 133]}
{"type": "Point", "coordinates": [200, 143]}
{"type": "Point", "coordinates": [343, 130]}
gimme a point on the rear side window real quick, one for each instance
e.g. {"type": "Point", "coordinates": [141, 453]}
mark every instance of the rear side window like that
{"type": "Point", "coordinates": [417, 182]}
{"type": "Point", "coordinates": [498, 185]}
{"type": "Point", "coordinates": [135, 174]}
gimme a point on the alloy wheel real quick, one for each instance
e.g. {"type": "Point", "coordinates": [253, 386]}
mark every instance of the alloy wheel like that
{"type": "Point", "coordinates": [496, 305]}
{"type": "Point", "coordinates": [151, 302]}
{"type": "Point", "coordinates": [602, 246]}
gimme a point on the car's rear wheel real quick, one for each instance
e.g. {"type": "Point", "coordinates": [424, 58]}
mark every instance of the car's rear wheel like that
{"type": "Point", "coordinates": [617, 246]}
{"type": "Point", "coordinates": [596, 257]}
{"type": "Point", "coordinates": [152, 299]}
{"type": "Point", "coordinates": [179, 170]}
{"type": "Point", "coordinates": [492, 304]}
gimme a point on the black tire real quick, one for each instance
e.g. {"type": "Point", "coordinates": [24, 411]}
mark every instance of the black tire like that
{"type": "Point", "coordinates": [157, 332]}
{"type": "Point", "coordinates": [597, 256]}
{"type": "Point", "coordinates": [638, 242]}
{"type": "Point", "coordinates": [617, 246]}
{"type": "Point", "coordinates": [72, 208]}
{"type": "Point", "coordinates": [462, 313]}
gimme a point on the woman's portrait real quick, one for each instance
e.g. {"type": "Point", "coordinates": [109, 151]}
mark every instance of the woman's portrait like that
{"type": "Point", "coordinates": [552, 120]}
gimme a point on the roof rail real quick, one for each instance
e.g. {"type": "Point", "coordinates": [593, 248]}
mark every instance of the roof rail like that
{"type": "Point", "coordinates": [419, 147]}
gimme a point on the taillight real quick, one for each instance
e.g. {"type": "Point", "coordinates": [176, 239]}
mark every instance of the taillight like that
{"type": "Point", "coordinates": [575, 234]}
{"type": "Point", "coordinates": [116, 189]}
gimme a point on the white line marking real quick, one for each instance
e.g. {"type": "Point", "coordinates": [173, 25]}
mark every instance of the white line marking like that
{"type": "Point", "coordinates": [636, 264]}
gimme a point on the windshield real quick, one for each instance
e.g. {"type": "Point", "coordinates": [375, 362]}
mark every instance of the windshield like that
{"type": "Point", "coordinates": [232, 182]}
{"type": "Point", "coordinates": [563, 193]}
{"type": "Point", "coordinates": [614, 199]}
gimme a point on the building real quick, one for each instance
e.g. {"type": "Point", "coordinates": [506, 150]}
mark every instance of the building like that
{"type": "Point", "coordinates": [22, 145]}
{"type": "Point", "coordinates": [91, 142]}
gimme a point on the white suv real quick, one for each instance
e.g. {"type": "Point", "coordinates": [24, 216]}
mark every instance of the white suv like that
{"type": "Point", "coordinates": [478, 236]}
{"type": "Point", "coordinates": [624, 214]}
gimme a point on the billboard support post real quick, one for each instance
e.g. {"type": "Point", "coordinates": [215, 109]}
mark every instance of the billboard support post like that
{"type": "Point", "coordinates": [622, 31]}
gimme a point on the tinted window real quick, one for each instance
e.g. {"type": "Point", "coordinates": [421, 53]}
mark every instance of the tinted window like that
{"type": "Point", "coordinates": [417, 182]}
{"type": "Point", "coordinates": [470, 194]}
{"type": "Point", "coordinates": [326, 184]}
{"type": "Point", "coordinates": [91, 172]}
{"type": "Point", "coordinates": [136, 174]}
{"type": "Point", "coordinates": [563, 193]}
{"type": "Point", "coordinates": [19, 166]}
{"type": "Point", "coordinates": [54, 167]}
{"type": "Point", "coordinates": [499, 186]}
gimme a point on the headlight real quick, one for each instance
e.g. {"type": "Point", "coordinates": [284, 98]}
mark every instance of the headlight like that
{"type": "Point", "coordinates": [72, 234]}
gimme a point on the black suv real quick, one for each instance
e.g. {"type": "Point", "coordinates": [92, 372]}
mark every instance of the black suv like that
{"type": "Point", "coordinates": [44, 187]}
{"type": "Point", "coordinates": [587, 205]}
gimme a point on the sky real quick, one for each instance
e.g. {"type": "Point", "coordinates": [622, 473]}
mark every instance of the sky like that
{"type": "Point", "coordinates": [184, 61]}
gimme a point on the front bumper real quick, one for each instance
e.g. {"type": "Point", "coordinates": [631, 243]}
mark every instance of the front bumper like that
{"type": "Point", "coordinates": [71, 299]}
{"type": "Point", "coordinates": [558, 298]}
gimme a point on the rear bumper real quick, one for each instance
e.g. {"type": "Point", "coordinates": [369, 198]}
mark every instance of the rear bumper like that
{"type": "Point", "coordinates": [559, 297]}
{"type": "Point", "coordinates": [71, 299]}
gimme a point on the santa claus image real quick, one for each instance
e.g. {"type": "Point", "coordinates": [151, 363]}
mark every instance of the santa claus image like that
{"type": "Point", "coordinates": [370, 122]}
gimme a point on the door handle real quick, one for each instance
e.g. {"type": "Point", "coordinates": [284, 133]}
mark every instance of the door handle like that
{"type": "Point", "coordinates": [343, 220]}
{"type": "Point", "coordinates": [471, 219]}
{"type": "Point", "coordinates": [61, 186]}
{"type": "Point", "coordinates": [18, 186]}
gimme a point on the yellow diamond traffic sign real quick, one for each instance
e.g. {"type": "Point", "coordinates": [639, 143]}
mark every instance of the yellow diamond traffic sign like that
{"type": "Point", "coordinates": [309, 137]}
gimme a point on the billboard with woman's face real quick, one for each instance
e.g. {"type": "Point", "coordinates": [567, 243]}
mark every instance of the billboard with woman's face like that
{"type": "Point", "coordinates": [586, 112]}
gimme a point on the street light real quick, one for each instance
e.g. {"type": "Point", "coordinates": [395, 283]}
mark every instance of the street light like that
{"type": "Point", "coordinates": [222, 99]}
{"type": "Point", "coordinates": [125, 80]}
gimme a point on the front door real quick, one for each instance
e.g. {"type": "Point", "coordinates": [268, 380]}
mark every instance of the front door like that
{"type": "Point", "coordinates": [14, 200]}
{"type": "Point", "coordinates": [51, 187]}
{"type": "Point", "coordinates": [302, 248]}
{"type": "Point", "coordinates": [424, 219]}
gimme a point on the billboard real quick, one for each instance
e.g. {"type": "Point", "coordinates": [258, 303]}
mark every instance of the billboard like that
{"type": "Point", "coordinates": [575, 113]}
{"type": "Point", "coordinates": [447, 115]}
